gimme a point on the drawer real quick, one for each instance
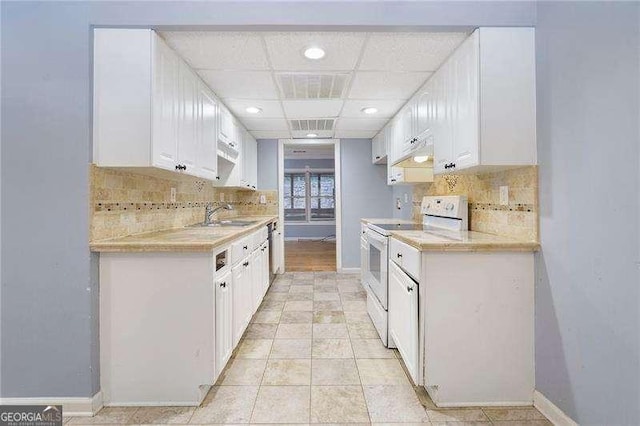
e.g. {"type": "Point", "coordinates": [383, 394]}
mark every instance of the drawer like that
{"type": "Point", "coordinates": [405, 256]}
{"type": "Point", "coordinates": [241, 249]}
{"type": "Point", "coordinates": [258, 237]}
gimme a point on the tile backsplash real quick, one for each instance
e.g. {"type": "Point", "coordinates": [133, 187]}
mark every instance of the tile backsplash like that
{"type": "Point", "coordinates": [125, 203]}
{"type": "Point", "coordinates": [518, 219]}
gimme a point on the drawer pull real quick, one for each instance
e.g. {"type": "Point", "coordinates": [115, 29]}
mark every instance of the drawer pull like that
{"type": "Point", "coordinates": [399, 255]}
{"type": "Point", "coordinates": [245, 264]}
{"type": "Point", "coordinates": [409, 289]}
{"type": "Point", "coordinates": [223, 284]}
{"type": "Point", "coordinates": [244, 247]}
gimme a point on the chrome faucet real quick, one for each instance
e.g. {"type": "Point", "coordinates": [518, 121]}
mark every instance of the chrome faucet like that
{"type": "Point", "coordinates": [209, 211]}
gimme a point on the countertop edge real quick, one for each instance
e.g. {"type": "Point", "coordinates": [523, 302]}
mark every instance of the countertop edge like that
{"type": "Point", "coordinates": [115, 246]}
{"type": "Point", "coordinates": [512, 246]}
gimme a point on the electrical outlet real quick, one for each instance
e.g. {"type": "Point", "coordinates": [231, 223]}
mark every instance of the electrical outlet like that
{"type": "Point", "coordinates": [263, 199]}
{"type": "Point", "coordinates": [398, 204]}
{"type": "Point", "coordinates": [222, 197]}
{"type": "Point", "coordinates": [173, 195]}
{"type": "Point", "coordinates": [406, 198]}
{"type": "Point", "coordinates": [504, 195]}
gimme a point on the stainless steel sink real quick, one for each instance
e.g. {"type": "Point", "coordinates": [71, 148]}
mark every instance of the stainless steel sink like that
{"type": "Point", "coordinates": [225, 223]}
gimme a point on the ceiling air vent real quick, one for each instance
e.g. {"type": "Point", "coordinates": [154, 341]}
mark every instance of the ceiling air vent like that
{"type": "Point", "coordinates": [312, 86]}
{"type": "Point", "coordinates": [315, 124]}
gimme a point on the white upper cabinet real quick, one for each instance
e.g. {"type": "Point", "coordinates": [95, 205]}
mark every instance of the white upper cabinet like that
{"type": "Point", "coordinates": [151, 110]}
{"type": "Point", "coordinates": [486, 110]}
{"type": "Point", "coordinates": [379, 148]}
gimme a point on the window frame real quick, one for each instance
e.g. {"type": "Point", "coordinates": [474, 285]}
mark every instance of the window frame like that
{"type": "Point", "coordinates": [307, 172]}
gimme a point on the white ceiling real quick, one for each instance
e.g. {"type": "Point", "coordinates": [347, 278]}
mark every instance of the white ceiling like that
{"type": "Point", "coordinates": [359, 70]}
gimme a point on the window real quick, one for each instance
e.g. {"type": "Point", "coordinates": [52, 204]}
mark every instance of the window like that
{"type": "Point", "coordinates": [309, 196]}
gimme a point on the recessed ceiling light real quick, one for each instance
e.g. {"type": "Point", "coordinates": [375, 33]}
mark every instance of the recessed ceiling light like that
{"type": "Point", "coordinates": [253, 110]}
{"type": "Point", "coordinates": [314, 53]}
{"type": "Point", "coordinates": [312, 135]}
{"type": "Point", "coordinates": [370, 110]}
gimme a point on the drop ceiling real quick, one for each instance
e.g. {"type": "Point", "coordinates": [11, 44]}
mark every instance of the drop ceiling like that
{"type": "Point", "coordinates": [268, 70]}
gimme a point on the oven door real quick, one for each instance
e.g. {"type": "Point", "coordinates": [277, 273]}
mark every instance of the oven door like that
{"type": "Point", "coordinates": [376, 273]}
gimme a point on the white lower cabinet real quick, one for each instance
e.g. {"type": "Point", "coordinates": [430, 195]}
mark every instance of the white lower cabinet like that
{"type": "Point", "coordinates": [403, 318]}
{"type": "Point", "coordinates": [223, 321]}
{"type": "Point", "coordinates": [255, 278]}
{"type": "Point", "coordinates": [241, 299]}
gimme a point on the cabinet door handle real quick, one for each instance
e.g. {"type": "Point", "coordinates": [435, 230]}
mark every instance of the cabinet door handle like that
{"type": "Point", "coordinates": [223, 284]}
{"type": "Point", "coordinates": [253, 186]}
{"type": "Point", "coordinates": [217, 177]}
{"type": "Point", "coordinates": [245, 247]}
{"type": "Point", "coordinates": [245, 264]}
{"type": "Point", "coordinates": [399, 255]}
{"type": "Point", "coordinates": [409, 289]}
{"type": "Point", "coordinates": [377, 157]}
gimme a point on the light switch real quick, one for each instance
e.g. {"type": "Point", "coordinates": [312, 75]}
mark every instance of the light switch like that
{"type": "Point", "coordinates": [406, 198]}
{"type": "Point", "coordinates": [263, 199]}
{"type": "Point", "coordinates": [173, 195]}
{"type": "Point", "coordinates": [398, 204]}
{"type": "Point", "coordinates": [504, 195]}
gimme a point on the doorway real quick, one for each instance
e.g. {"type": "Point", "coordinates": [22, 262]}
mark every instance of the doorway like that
{"type": "Point", "coordinates": [309, 192]}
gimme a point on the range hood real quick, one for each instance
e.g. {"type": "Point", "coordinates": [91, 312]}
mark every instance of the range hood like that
{"type": "Point", "coordinates": [418, 154]}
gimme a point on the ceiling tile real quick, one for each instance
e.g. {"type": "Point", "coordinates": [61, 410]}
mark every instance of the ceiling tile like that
{"type": "Point", "coordinates": [361, 123]}
{"type": "Point", "coordinates": [386, 85]}
{"type": "Point", "coordinates": [368, 134]}
{"type": "Point", "coordinates": [409, 51]}
{"type": "Point", "coordinates": [286, 50]}
{"type": "Point", "coordinates": [387, 108]}
{"type": "Point", "coordinates": [322, 108]}
{"type": "Point", "coordinates": [219, 50]}
{"type": "Point", "coordinates": [270, 134]}
{"type": "Point", "coordinates": [270, 108]}
{"type": "Point", "coordinates": [265, 123]}
{"type": "Point", "coordinates": [240, 84]}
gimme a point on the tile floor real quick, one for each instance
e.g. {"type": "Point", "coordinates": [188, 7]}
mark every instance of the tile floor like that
{"type": "Point", "coordinates": [312, 355]}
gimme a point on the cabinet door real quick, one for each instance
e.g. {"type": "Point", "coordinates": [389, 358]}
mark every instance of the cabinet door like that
{"type": "Point", "coordinates": [253, 164]}
{"type": "Point", "coordinates": [424, 110]}
{"type": "Point", "coordinates": [408, 131]}
{"type": "Point", "coordinates": [166, 106]}
{"type": "Point", "coordinates": [466, 138]}
{"type": "Point", "coordinates": [207, 138]}
{"type": "Point", "coordinates": [442, 142]}
{"type": "Point", "coordinates": [241, 299]}
{"type": "Point", "coordinates": [255, 278]}
{"type": "Point", "coordinates": [250, 160]}
{"type": "Point", "coordinates": [264, 252]}
{"type": "Point", "coordinates": [403, 317]}
{"type": "Point", "coordinates": [225, 127]}
{"type": "Point", "coordinates": [223, 321]}
{"type": "Point", "coordinates": [187, 128]}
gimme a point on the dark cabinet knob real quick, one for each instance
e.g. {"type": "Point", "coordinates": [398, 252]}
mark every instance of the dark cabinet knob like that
{"type": "Point", "coordinates": [399, 255]}
{"type": "Point", "coordinates": [223, 284]}
{"type": "Point", "coordinates": [245, 264]}
{"type": "Point", "coordinates": [217, 177]}
{"type": "Point", "coordinates": [253, 186]}
{"type": "Point", "coordinates": [245, 247]}
{"type": "Point", "coordinates": [409, 289]}
{"type": "Point", "coordinates": [178, 167]}
{"type": "Point", "coordinates": [377, 157]}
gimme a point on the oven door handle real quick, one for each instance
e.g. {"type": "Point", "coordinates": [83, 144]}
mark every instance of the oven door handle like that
{"type": "Point", "coordinates": [373, 235]}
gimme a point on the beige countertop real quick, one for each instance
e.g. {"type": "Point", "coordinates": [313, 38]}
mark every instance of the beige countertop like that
{"type": "Point", "coordinates": [385, 221]}
{"type": "Point", "coordinates": [187, 239]}
{"type": "Point", "coordinates": [465, 241]}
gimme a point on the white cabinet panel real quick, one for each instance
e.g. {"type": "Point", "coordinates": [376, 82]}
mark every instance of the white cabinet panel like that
{"type": "Point", "coordinates": [165, 106]}
{"type": "Point", "coordinates": [187, 143]}
{"type": "Point", "coordinates": [241, 299]}
{"type": "Point", "coordinates": [255, 279]}
{"type": "Point", "coordinates": [207, 140]}
{"type": "Point", "coordinates": [403, 318]}
{"type": "Point", "coordinates": [223, 320]}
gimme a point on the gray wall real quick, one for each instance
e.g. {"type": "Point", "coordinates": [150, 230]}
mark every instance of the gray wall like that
{"type": "Point", "coordinates": [268, 164]}
{"type": "Point", "coordinates": [587, 281]}
{"type": "Point", "coordinates": [323, 163]}
{"type": "Point", "coordinates": [309, 231]}
{"type": "Point", "coordinates": [364, 194]}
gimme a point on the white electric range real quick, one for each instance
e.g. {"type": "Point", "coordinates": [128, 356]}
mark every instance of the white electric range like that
{"type": "Point", "coordinates": [442, 215]}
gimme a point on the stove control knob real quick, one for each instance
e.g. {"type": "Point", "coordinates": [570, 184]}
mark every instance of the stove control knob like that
{"type": "Point", "coordinates": [450, 206]}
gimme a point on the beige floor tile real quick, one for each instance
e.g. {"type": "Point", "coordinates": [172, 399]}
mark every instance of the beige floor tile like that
{"type": "Point", "coordinates": [279, 288]}
{"type": "Point", "coordinates": [107, 415]}
{"type": "Point", "coordinates": [301, 289]}
{"type": "Point", "coordinates": [260, 331]}
{"type": "Point", "coordinates": [334, 372]}
{"type": "Point", "coordinates": [267, 317]}
{"type": "Point", "coordinates": [510, 414]}
{"type": "Point", "coordinates": [271, 305]}
{"type": "Point", "coordinates": [325, 281]}
{"type": "Point", "coordinates": [522, 423]}
{"type": "Point", "coordinates": [327, 305]}
{"type": "Point", "coordinates": [278, 297]}
{"type": "Point", "coordinates": [358, 318]}
{"type": "Point", "coordinates": [282, 404]}
{"type": "Point", "coordinates": [280, 372]}
{"type": "Point", "coordinates": [326, 296]}
{"type": "Point", "coordinates": [371, 348]}
{"type": "Point", "coordinates": [296, 317]}
{"type": "Point", "coordinates": [243, 372]}
{"type": "Point", "coordinates": [354, 305]}
{"type": "Point", "coordinates": [226, 404]}
{"type": "Point", "coordinates": [331, 404]}
{"type": "Point", "coordinates": [331, 348]}
{"type": "Point", "coordinates": [360, 295]}
{"type": "Point", "coordinates": [381, 372]}
{"type": "Point", "coordinates": [303, 275]}
{"type": "Point", "coordinates": [325, 274]}
{"type": "Point", "coordinates": [325, 288]}
{"type": "Point", "coordinates": [291, 348]}
{"type": "Point", "coordinates": [328, 317]}
{"type": "Point", "coordinates": [294, 331]}
{"type": "Point", "coordinates": [330, 331]}
{"type": "Point", "coordinates": [254, 348]}
{"type": "Point", "coordinates": [349, 287]}
{"type": "Point", "coordinates": [457, 415]}
{"type": "Point", "coordinates": [299, 297]}
{"type": "Point", "coordinates": [394, 404]}
{"type": "Point", "coordinates": [362, 331]}
{"type": "Point", "coordinates": [162, 415]}
{"type": "Point", "coordinates": [298, 306]}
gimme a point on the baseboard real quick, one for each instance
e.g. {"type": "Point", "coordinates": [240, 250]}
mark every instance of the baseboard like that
{"type": "Point", "coordinates": [76, 407]}
{"type": "Point", "coordinates": [332, 239]}
{"type": "Point", "coordinates": [551, 411]}
{"type": "Point", "coordinates": [349, 270]}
